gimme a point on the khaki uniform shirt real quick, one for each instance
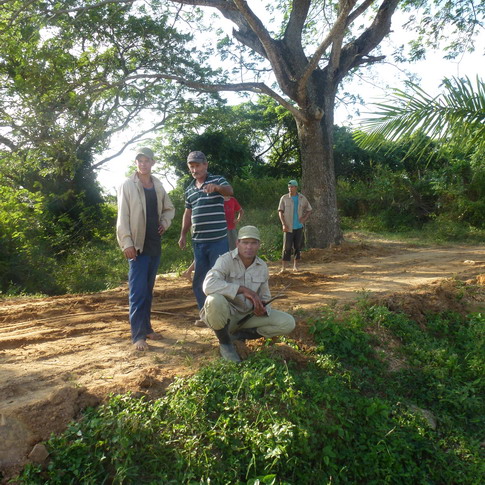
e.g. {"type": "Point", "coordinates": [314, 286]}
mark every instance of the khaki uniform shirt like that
{"type": "Point", "coordinates": [229, 273]}
{"type": "Point", "coordinates": [131, 221]}
{"type": "Point", "coordinates": [286, 206]}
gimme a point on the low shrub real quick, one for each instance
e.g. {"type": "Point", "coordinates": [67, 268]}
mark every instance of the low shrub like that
{"type": "Point", "coordinates": [345, 417]}
{"type": "Point", "coordinates": [94, 267]}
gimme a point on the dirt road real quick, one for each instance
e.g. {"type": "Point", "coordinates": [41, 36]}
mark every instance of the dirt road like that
{"type": "Point", "coordinates": [60, 354]}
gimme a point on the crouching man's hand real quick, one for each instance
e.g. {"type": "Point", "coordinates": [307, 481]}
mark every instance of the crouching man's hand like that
{"type": "Point", "coordinates": [259, 309]}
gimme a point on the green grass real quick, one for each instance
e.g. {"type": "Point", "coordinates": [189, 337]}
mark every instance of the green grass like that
{"type": "Point", "coordinates": [100, 265]}
{"type": "Point", "coordinates": [345, 417]}
{"type": "Point", "coordinates": [436, 232]}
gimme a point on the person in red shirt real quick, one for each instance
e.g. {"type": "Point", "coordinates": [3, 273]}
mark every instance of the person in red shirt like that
{"type": "Point", "coordinates": [234, 213]}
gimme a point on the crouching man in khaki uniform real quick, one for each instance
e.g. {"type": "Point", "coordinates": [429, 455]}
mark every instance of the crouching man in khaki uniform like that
{"type": "Point", "coordinates": [237, 286]}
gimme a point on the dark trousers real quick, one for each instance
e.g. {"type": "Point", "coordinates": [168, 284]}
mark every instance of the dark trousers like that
{"type": "Point", "coordinates": [292, 240]}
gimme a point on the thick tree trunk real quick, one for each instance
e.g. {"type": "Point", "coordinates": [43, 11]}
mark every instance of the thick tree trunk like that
{"type": "Point", "coordinates": [318, 183]}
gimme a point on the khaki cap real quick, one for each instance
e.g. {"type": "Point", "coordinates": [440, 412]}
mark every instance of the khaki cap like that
{"type": "Point", "coordinates": [249, 232]}
{"type": "Point", "coordinates": [147, 152]}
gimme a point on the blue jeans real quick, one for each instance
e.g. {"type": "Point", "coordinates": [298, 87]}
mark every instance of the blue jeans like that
{"type": "Point", "coordinates": [141, 280]}
{"type": "Point", "coordinates": [205, 255]}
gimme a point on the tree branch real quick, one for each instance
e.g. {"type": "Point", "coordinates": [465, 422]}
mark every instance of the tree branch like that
{"type": "Point", "coordinates": [336, 33]}
{"type": "Point", "coordinates": [353, 54]}
{"type": "Point", "coordinates": [359, 11]}
{"type": "Point", "coordinates": [128, 143]}
{"type": "Point", "coordinates": [296, 22]}
{"type": "Point", "coordinates": [254, 87]}
{"type": "Point", "coordinates": [252, 33]}
{"type": "Point", "coordinates": [292, 37]}
{"type": "Point", "coordinates": [219, 4]}
{"type": "Point", "coordinates": [8, 143]}
{"type": "Point", "coordinates": [280, 68]}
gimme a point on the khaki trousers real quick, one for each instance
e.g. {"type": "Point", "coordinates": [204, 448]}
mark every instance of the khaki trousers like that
{"type": "Point", "coordinates": [218, 311]}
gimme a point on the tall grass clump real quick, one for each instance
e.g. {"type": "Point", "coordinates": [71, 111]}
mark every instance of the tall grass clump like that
{"type": "Point", "coordinates": [439, 205]}
{"type": "Point", "coordinates": [94, 267]}
{"type": "Point", "coordinates": [346, 416]}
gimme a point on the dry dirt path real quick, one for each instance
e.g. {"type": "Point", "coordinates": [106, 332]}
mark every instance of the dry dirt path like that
{"type": "Point", "coordinates": [59, 354]}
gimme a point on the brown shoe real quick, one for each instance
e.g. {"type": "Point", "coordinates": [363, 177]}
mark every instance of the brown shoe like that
{"type": "Point", "coordinates": [200, 323]}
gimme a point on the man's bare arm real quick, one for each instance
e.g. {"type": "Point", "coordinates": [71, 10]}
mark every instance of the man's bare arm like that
{"type": "Point", "coordinates": [186, 223]}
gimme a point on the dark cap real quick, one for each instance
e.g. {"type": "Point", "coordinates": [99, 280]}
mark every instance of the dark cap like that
{"type": "Point", "coordinates": [196, 157]}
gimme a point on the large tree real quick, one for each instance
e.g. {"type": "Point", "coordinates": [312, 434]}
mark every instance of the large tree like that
{"type": "Point", "coordinates": [311, 49]}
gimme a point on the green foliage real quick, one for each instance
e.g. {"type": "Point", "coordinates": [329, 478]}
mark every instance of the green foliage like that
{"type": "Point", "coordinates": [235, 140]}
{"type": "Point", "coordinates": [24, 250]}
{"type": "Point", "coordinates": [462, 19]}
{"type": "Point", "coordinates": [444, 197]}
{"type": "Point", "coordinates": [351, 161]}
{"type": "Point", "coordinates": [459, 114]}
{"type": "Point", "coordinates": [31, 256]}
{"type": "Point", "coordinates": [69, 83]}
{"type": "Point", "coordinates": [393, 198]}
{"type": "Point", "coordinates": [91, 268]}
{"type": "Point", "coordinates": [262, 193]}
{"type": "Point", "coordinates": [345, 417]}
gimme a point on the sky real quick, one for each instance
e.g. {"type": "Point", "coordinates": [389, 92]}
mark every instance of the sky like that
{"type": "Point", "coordinates": [430, 71]}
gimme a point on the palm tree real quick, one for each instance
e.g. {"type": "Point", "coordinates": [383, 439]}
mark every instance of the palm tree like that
{"type": "Point", "coordinates": [456, 117]}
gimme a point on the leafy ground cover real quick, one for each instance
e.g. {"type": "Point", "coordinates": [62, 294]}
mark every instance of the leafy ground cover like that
{"type": "Point", "coordinates": [378, 398]}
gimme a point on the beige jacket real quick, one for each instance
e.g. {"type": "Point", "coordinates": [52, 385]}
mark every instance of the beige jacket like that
{"type": "Point", "coordinates": [286, 207]}
{"type": "Point", "coordinates": [229, 273]}
{"type": "Point", "coordinates": [131, 222]}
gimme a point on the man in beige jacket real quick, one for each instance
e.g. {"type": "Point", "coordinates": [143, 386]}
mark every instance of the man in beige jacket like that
{"type": "Point", "coordinates": [145, 212]}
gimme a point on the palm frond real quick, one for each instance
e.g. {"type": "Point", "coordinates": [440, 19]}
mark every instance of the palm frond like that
{"type": "Point", "coordinates": [458, 114]}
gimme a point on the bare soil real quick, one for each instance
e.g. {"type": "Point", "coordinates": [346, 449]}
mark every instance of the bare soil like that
{"type": "Point", "coordinates": [61, 354]}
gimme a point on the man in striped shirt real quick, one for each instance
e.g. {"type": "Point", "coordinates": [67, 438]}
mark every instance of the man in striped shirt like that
{"type": "Point", "coordinates": [204, 213]}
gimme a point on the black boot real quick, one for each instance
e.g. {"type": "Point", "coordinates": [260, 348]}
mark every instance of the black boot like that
{"type": "Point", "coordinates": [226, 349]}
{"type": "Point", "coordinates": [246, 334]}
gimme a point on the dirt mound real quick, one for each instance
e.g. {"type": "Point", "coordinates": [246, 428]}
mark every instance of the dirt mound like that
{"type": "Point", "coordinates": [450, 295]}
{"type": "Point", "coordinates": [61, 354]}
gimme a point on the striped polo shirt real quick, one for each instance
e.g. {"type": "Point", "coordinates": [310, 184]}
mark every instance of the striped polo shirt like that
{"type": "Point", "coordinates": [208, 217]}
